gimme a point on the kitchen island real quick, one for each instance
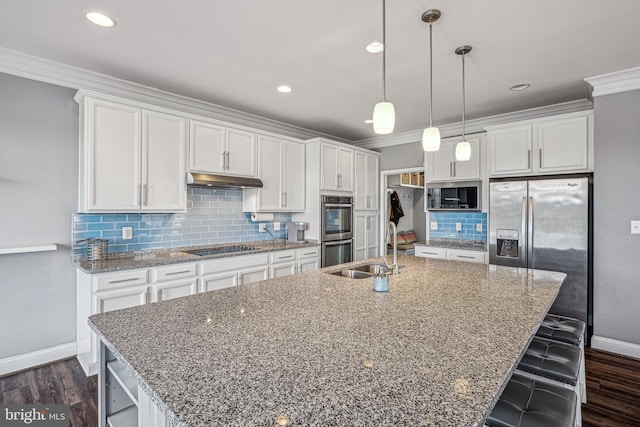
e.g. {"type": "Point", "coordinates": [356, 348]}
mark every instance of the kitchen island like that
{"type": "Point", "coordinates": [321, 349]}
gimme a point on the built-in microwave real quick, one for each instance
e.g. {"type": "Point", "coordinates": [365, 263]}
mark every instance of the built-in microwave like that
{"type": "Point", "coordinates": [463, 195]}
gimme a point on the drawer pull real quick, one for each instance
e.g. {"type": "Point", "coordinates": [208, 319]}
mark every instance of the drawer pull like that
{"type": "Point", "coordinates": [431, 253]}
{"type": "Point", "coordinates": [125, 280]}
{"type": "Point", "coordinates": [285, 257]}
{"type": "Point", "coordinates": [465, 256]}
{"type": "Point", "coordinates": [309, 253]}
{"type": "Point", "coordinates": [173, 273]}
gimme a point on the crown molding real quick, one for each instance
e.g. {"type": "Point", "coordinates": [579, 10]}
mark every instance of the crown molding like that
{"type": "Point", "coordinates": [616, 82]}
{"type": "Point", "coordinates": [47, 71]}
{"type": "Point", "coordinates": [478, 125]}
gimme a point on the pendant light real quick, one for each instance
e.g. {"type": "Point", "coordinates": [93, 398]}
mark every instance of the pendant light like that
{"type": "Point", "coordinates": [463, 148]}
{"type": "Point", "coordinates": [384, 114]}
{"type": "Point", "coordinates": [431, 135]}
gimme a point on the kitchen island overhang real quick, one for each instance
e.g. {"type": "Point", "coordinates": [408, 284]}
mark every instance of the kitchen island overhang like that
{"type": "Point", "coordinates": [320, 349]}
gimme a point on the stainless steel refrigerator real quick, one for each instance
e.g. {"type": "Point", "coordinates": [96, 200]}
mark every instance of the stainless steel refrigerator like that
{"type": "Point", "coordinates": [546, 224]}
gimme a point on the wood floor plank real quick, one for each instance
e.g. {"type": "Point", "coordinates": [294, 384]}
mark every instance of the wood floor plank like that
{"type": "Point", "coordinates": [82, 415]}
{"type": "Point", "coordinates": [18, 396]}
{"type": "Point", "coordinates": [47, 386]}
{"type": "Point", "coordinates": [68, 385]}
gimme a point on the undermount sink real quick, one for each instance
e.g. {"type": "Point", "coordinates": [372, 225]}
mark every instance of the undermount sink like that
{"type": "Point", "coordinates": [361, 271]}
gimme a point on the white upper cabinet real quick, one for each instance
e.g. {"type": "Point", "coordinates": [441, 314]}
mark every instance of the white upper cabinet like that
{"type": "Point", "coordinates": [366, 181]}
{"type": "Point", "coordinates": [131, 159]}
{"type": "Point", "coordinates": [216, 149]}
{"type": "Point", "coordinates": [281, 168]}
{"type": "Point", "coordinates": [551, 145]}
{"type": "Point", "coordinates": [442, 166]}
{"type": "Point", "coordinates": [366, 235]}
{"type": "Point", "coordinates": [336, 167]}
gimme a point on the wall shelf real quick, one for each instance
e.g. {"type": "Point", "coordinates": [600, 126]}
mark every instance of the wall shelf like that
{"type": "Point", "coordinates": [21, 249]}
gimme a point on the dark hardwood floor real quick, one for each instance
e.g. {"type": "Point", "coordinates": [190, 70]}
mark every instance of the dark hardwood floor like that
{"type": "Point", "coordinates": [613, 390]}
{"type": "Point", "coordinates": [62, 382]}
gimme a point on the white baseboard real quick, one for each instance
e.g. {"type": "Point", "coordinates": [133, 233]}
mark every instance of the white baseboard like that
{"type": "Point", "coordinates": [614, 346]}
{"type": "Point", "coordinates": [41, 357]}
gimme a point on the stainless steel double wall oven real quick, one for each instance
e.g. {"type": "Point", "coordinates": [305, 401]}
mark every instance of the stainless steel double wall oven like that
{"type": "Point", "coordinates": [337, 230]}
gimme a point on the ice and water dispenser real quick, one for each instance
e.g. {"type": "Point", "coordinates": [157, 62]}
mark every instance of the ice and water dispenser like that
{"type": "Point", "coordinates": [507, 242]}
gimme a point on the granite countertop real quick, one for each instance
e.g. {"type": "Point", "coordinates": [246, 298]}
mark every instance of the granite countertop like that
{"type": "Point", "coordinates": [471, 245]}
{"type": "Point", "coordinates": [154, 257]}
{"type": "Point", "coordinates": [321, 349]}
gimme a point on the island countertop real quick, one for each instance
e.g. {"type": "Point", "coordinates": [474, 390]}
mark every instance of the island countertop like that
{"type": "Point", "coordinates": [320, 349]}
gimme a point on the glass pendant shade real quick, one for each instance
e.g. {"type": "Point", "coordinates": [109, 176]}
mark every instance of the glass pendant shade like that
{"type": "Point", "coordinates": [384, 118]}
{"type": "Point", "coordinates": [431, 139]}
{"type": "Point", "coordinates": [463, 151]}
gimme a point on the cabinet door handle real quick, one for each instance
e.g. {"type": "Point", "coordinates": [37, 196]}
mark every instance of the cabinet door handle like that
{"type": "Point", "coordinates": [228, 160]}
{"type": "Point", "coordinates": [145, 191]}
{"type": "Point", "coordinates": [224, 160]}
{"type": "Point", "coordinates": [368, 201]}
{"type": "Point", "coordinates": [339, 180]}
{"type": "Point", "coordinates": [285, 199]}
{"type": "Point", "coordinates": [540, 158]}
{"type": "Point", "coordinates": [173, 273]}
{"type": "Point", "coordinates": [451, 169]}
{"type": "Point", "coordinates": [140, 194]}
{"type": "Point", "coordinates": [454, 168]}
{"type": "Point", "coordinates": [124, 280]}
{"type": "Point", "coordinates": [528, 159]}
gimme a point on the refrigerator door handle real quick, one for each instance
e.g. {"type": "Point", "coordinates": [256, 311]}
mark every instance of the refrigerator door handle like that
{"type": "Point", "coordinates": [523, 244]}
{"type": "Point", "coordinates": [530, 235]}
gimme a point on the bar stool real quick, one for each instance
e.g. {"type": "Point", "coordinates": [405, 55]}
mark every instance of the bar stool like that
{"type": "Point", "coordinates": [554, 362]}
{"type": "Point", "coordinates": [569, 330]}
{"type": "Point", "coordinates": [527, 402]}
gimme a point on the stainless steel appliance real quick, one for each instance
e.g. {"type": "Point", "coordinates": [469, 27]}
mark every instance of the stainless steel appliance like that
{"type": "Point", "coordinates": [454, 196]}
{"type": "Point", "coordinates": [546, 224]}
{"type": "Point", "coordinates": [336, 230]}
{"type": "Point", "coordinates": [295, 231]}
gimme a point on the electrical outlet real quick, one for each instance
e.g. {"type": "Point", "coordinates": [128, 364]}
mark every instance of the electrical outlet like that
{"type": "Point", "coordinates": [635, 227]}
{"type": "Point", "coordinates": [433, 225]}
{"type": "Point", "coordinates": [127, 233]}
{"type": "Point", "coordinates": [262, 227]}
{"type": "Point", "coordinates": [479, 227]}
{"type": "Point", "coordinates": [276, 226]}
{"type": "Point", "coordinates": [458, 226]}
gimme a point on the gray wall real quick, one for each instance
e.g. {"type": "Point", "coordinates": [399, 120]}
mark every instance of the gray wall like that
{"type": "Point", "coordinates": [616, 203]}
{"type": "Point", "coordinates": [401, 157]}
{"type": "Point", "coordinates": [38, 192]}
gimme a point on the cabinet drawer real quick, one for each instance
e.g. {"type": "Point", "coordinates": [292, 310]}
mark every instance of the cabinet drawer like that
{"type": "Point", "coordinates": [179, 271]}
{"type": "Point", "coordinates": [312, 252]}
{"type": "Point", "coordinates": [282, 256]}
{"type": "Point", "coordinates": [124, 279]}
{"type": "Point", "coordinates": [431, 252]}
{"type": "Point", "coordinates": [232, 263]}
{"type": "Point", "coordinates": [468, 256]}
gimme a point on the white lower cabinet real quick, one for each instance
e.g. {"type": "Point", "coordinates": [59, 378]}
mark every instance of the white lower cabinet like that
{"type": "Point", "coordinates": [308, 259]}
{"type": "Point", "coordinates": [227, 272]}
{"type": "Point", "coordinates": [366, 235]}
{"type": "Point", "coordinates": [283, 263]}
{"type": "Point", "coordinates": [174, 289]}
{"type": "Point", "coordinates": [451, 254]}
{"type": "Point", "coordinates": [213, 282]}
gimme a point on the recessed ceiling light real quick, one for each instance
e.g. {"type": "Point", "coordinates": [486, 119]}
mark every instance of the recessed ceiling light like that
{"type": "Point", "coordinates": [519, 87]}
{"type": "Point", "coordinates": [374, 47]}
{"type": "Point", "coordinates": [284, 89]}
{"type": "Point", "coordinates": [369, 121]}
{"type": "Point", "coordinates": [100, 19]}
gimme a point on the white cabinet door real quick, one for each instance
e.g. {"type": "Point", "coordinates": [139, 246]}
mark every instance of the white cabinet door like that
{"type": "Point", "coordinates": [241, 153]}
{"type": "Point", "coordinates": [174, 289]}
{"type": "Point", "coordinates": [214, 282]}
{"type": "Point", "coordinates": [294, 176]}
{"type": "Point", "coordinates": [345, 169]}
{"type": "Point", "coordinates": [111, 150]}
{"type": "Point", "coordinates": [164, 186]}
{"type": "Point", "coordinates": [373, 182]}
{"type": "Point", "coordinates": [366, 181]}
{"type": "Point", "coordinates": [366, 235]}
{"type": "Point", "coordinates": [308, 264]}
{"type": "Point", "coordinates": [254, 274]}
{"type": "Point", "coordinates": [329, 163]}
{"type": "Point", "coordinates": [510, 151]}
{"type": "Point", "coordinates": [563, 145]}
{"type": "Point", "coordinates": [282, 269]}
{"type": "Point", "coordinates": [439, 164]}
{"type": "Point", "coordinates": [206, 147]}
{"type": "Point", "coordinates": [270, 196]}
{"type": "Point", "coordinates": [470, 169]}
{"type": "Point", "coordinates": [372, 235]}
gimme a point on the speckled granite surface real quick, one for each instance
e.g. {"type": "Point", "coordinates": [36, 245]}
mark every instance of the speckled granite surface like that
{"type": "Point", "coordinates": [471, 245]}
{"type": "Point", "coordinates": [155, 257]}
{"type": "Point", "coordinates": [325, 350]}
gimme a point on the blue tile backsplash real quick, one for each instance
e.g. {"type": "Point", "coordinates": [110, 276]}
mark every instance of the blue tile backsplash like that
{"type": "Point", "coordinates": [213, 216]}
{"type": "Point", "coordinates": [447, 225]}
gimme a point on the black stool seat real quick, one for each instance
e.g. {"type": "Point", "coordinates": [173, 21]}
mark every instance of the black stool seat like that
{"type": "Point", "coordinates": [552, 359]}
{"type": "Point", "coordinates": [563, 329]}
{"type": "Point", "coordinates": [526, 402]}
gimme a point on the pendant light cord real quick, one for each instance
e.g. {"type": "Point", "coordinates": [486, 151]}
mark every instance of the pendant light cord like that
{"type": "Point", "coordinates": [430, 74]}
{"type": "Point", "coordinates": [384, 53]}
{"type": "Point", "coordinates": [463, 97]}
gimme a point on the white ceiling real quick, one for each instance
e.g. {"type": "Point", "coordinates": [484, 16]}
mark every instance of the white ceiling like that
{"type": "Point", "coordinates": [234, 53]}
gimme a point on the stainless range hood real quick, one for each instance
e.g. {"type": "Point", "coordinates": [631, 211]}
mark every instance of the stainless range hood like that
{"type": "Point", "coordinates": [222, 181]}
